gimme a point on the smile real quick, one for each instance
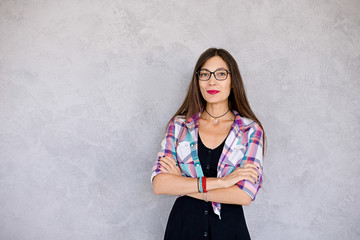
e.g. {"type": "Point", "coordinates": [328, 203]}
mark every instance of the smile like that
{"type": "Point", "coordinates": [213, 92]}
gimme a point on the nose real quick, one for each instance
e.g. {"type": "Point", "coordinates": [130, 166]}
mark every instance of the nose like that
{"type": "Point", "coordinates": [212, 79]}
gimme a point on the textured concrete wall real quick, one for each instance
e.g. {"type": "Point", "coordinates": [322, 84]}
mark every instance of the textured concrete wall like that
{"type": "Point", "coordinates": [86, 88]}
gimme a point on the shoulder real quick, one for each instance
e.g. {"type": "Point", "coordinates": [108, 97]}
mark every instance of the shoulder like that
{"type": "Point", "coordinates": [249, 125]}
{"type": "Point", "coordinates": [252, 131]}
{"type": "Point", "coordinates": [178, 120]}
{"type": "Point", "coordinates": [245, 124]}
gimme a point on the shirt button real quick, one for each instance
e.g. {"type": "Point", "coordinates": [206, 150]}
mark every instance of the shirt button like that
{"type": "Point", "coordinates": [209, 151]}
{"type": "Point", "coordinates": [207, 167]}
{"type": "Point", "coordinates": [192, 144]}
{"type": "Point", "coordinates": [205, 234]}
{"type": "Point", "coordinates": [206, 212]}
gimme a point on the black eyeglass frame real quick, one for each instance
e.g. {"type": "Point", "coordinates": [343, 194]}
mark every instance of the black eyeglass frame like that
{"type": "Point", "coordinates": [213, 73]}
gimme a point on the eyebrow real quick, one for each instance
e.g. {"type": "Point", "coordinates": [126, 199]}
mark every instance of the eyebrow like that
{"type": "Point", "coordinates": [215, 69]}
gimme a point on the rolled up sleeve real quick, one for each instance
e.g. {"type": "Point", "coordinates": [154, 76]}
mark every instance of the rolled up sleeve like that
{"type": "Point", "coordinates": [253, 155]}
{"type": "Point", "coordinates": [167, 149]}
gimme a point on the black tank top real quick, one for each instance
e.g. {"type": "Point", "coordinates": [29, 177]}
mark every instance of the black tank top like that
{"type": "Point", "coordinates": [209, 158]}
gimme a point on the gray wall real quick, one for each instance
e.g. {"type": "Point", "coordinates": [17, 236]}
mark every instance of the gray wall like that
{"type": "Point", "coordinates": [87, 87]}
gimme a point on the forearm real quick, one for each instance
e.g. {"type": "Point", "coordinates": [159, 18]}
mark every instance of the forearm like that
{"type": "Point", "coordinates": [171, 184]}
{"type": "Point", "coordinates": [230, 195]}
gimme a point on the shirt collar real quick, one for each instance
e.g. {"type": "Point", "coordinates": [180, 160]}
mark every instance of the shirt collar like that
{"type": "Point", "coordinates": [193, 121]}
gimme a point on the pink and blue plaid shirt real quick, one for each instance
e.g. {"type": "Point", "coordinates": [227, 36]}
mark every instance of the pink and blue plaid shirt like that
{"type": "Point", "coordinates": [243, 145]}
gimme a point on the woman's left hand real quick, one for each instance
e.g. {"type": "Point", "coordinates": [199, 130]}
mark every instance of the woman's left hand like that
{"type": "Point", "coordinates": [169, 165]}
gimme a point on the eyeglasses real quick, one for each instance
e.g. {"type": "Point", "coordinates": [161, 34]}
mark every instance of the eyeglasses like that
{"type": "Point", "coordinates": [220, 74]}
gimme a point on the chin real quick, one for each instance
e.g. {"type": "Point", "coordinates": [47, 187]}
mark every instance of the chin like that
{"type": "Point", "coordinates": [214, 101]}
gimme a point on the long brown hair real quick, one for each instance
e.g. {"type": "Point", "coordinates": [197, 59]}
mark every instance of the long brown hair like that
{"type": "Point", "coordinates": [194, 101]}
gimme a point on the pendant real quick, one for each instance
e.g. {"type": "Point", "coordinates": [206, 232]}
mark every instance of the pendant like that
{"type": "Point", "coordinates": [215, 121]}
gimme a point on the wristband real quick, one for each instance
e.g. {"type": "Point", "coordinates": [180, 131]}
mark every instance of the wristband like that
{"type": "Point", "coordinates": [198, 185]}
{"type": "Point", "coordinates": [206, 196]}
{"type": "Point", "coordinates": [204, 184]}
{"type": "Point", "coordinates": [201, 187]}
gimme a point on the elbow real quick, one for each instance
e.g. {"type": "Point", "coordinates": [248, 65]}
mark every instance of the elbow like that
{"type": "Point", "coordinates": [247, 202]}
{"type": "Point", "coordinates": [156, 187]}
{"type": "Point", "coordinates": [156, 190]}
{"type": "Point", "coordinates": [242, 198]}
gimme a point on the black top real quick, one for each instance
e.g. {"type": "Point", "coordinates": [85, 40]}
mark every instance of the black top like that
{"type": "Point", "coordinates": [209, 158]}
{"type": "Point", "coordinates": [191, 218]}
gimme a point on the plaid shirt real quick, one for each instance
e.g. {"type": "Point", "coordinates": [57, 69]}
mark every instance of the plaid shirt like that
{"type": "Point", "coordinates": [243, 145]}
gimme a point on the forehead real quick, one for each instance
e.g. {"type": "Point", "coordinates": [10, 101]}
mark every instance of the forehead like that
{"type": "Point", "coordinates": [214, 63]}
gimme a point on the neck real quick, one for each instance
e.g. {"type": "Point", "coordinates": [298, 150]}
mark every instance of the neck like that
{"type": "Point", "coordinates": [217, 109]}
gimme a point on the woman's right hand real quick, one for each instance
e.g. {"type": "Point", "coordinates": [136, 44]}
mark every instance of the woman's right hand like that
{"type": "Point", "coordinates": [169, 165]}
{"type": "Point", "coordinates": [247, 172]}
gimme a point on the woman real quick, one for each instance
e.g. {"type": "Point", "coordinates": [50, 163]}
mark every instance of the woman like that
{"type": "Point", "coordinates": [212, 154]}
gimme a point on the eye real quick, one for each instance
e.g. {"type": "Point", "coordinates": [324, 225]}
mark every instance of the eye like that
{"type": "Point", "coordinates": [203, 74]}
{"type": "Point", "coordinates": [221, 73]}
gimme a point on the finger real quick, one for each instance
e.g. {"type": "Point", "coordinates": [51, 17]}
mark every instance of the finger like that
{"type": "Point", "coordinates": [164, 170]}
{"type": "Point", "coordinates": [246, 177]}
{"type": "Point", "coordinates": [172, 163]}
{"type": "Point", "coordinates": [253, 180]}
{"type": "Point", "coordinates": [248, 171]}
{"type": "Point", "coordinates": [169, 161]}
{"type": "Point", "coordinates": [165, 164]}
{"type": "Point", "coordinates": [253, 169]}
{"type": "Point", "coordinates": [252, 165]}
{"type": "Point", "coordinates": [248, 174]}
{"type": "Point", "coordinates": [249, 178]}
{"type": "Point", "coordinates": [170, 168]}
{"type": "Point", "coordinates": [169, 158]}
{"type": "Point", "coordinates": [253, 172]}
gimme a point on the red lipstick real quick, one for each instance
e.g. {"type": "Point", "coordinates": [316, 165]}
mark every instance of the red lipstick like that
{"type": "Point", "coordinates": [213, 92]}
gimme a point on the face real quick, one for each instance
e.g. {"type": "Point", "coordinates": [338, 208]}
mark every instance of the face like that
{"type": "Point", "coordinates": [212, 90]}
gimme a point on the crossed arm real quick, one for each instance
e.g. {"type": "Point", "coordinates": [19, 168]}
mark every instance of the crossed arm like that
{"type": "Point", "coordinates": [221, 190]}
